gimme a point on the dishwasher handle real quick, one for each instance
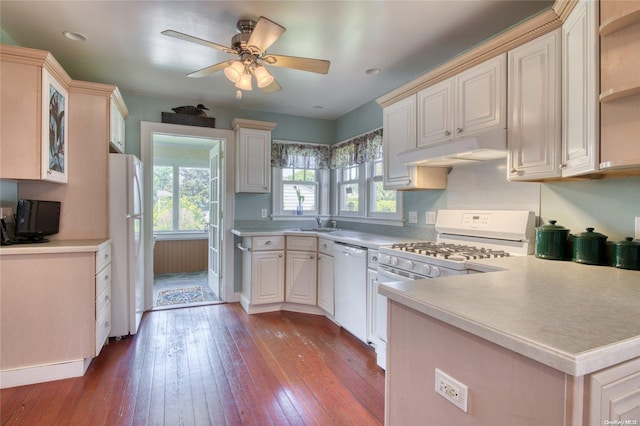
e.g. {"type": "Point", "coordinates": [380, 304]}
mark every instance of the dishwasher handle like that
{"type": "Point", "coordinates": [349, 250]}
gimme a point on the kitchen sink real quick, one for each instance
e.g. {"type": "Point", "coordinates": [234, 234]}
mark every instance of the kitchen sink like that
{"type": "Point", "coordinates": [320, 229]}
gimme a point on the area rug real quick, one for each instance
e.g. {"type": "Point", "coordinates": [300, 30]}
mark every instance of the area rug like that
{"type": "Point", "coordinates": [176, 296]}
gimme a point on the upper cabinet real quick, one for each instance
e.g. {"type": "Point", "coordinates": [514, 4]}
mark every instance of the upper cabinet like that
{"type": "Point", "coordinates": [253, 155]}
{"type": "Point", "coordinates": [35, 116]}
{"type": "Point", "coordinates": [118, 113]}
{"type": "Point", "coordinates": [534, 121]}
{"type": "Point", "coordinates": [399, 135]}
{"type": "Point", "coordinates": [467, 104]}
{"type": "Point", "coordinates": [580, 89]}
{"type": "Point", "coordinates": [619, 84]}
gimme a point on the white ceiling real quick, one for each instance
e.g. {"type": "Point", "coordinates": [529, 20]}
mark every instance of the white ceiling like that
{"type": "Point", "coordinates": [403, 38]}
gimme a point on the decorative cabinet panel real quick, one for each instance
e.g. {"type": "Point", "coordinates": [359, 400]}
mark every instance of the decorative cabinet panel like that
{"type": "Point", "coordinates": [534, 122]}
{"type": "Point", "coordinates": [399, 135]}
{"type": "Point", "coordinates": [253, 155]}
{"type": "Point", "coordinates": [103, 297]}
{"type": "Point", "coordinates": [580, 89]}
{"type": "Point", "coordinates": [34, 120]}
{"type": "Point", "coordinates": [615, 394]}
{"type": "Point", "coordinates": [267, 277]}
{"type": "Point", "coordinates": [118, 115]}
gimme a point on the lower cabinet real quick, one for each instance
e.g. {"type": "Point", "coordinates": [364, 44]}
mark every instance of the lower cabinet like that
{"type": "Point", "coordinates": [55, 325]}
{"type": "Point", "coordinates": [615, 394]}
{"type": "Point", "coordinates": [262, 271]}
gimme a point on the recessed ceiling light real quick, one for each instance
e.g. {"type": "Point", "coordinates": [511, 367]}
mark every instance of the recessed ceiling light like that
{"type": "Point", "coordinates": [372, 71]}
{"type": "Point", "coordinates": [74, 36]}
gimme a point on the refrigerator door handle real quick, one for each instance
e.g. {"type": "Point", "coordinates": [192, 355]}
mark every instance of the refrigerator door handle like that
{"type": "Point", "coordinates": [134, 216]}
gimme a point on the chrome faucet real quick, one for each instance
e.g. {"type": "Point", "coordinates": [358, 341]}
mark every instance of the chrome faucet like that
{"type": "Point", "coordinates": [319, 221]}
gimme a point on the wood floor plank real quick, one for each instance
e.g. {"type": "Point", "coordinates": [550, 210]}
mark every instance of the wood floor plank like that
{"type": "Point", "coordinates": [215, 365]}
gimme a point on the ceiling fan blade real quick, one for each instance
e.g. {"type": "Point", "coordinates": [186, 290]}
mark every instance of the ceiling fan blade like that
{"type": "Point", "coordinates": [211, 69]}
{"type": "Point", "coordinates": [192, 39]}
{"type": "Point", "coordinates": [272, 88]}
{"type": "Point", "coordinates": [265, 33]}
{"type": "Point", "coordinates": [319, 66]}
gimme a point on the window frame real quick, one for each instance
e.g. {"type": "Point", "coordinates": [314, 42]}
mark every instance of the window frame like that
{"type": "Point", "coordinates": [322, 198]}
{"type": "Point", "coordinates": [175, 165]}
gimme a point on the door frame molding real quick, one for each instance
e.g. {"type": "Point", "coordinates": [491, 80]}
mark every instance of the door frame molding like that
{"type": "Point", "coordinates": [147, 130]}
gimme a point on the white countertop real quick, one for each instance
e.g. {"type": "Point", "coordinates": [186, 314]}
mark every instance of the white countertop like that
{"type": "Point", "coordinates": [575, 318]}
{"type": "Point", "coordinates": [363, 239]}
{"type": "Point", "coordinates": [55, 246]}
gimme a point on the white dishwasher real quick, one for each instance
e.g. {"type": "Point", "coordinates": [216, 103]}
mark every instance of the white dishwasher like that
{"type": "Point", "coordinates": [350, 278]}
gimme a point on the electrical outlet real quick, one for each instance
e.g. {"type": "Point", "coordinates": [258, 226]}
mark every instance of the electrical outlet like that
{"type": "Point", "coordinates": [431, 218]}
{"type": "Point", "coordinates": [413, 217]}
{"type": "Point", "coordinates": [452, 390]}
{"type": "Point", "coordinates": [263, 213]}
{"type": "Point", "coordinates": [637, 237]}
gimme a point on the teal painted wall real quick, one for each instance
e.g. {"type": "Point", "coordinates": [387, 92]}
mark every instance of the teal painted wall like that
{"type": "Point", "coordinates": [361, 120]}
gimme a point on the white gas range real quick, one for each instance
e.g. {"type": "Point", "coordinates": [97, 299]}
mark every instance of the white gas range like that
{"type": "Point", "coordinates": [462, 237]}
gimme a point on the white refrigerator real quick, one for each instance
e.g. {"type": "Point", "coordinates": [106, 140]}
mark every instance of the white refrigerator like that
{"type": "Point", "coordinates": [125, 229]}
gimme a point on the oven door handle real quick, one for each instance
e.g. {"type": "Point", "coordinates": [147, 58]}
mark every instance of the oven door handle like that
{"type": "Point", "coordinates": [386, 276]}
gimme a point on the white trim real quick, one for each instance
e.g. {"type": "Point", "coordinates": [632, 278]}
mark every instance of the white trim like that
{"type": "Point", "coordinates": [371, 220]}
{"type": "Point", "coordinates": [280, 141]}
{"type": "Point", "coordinates": [183, 236]}
{"type": "Point", "coordinates": [43, 373]}
{"type": "Point", "coordinates": [357, 136]}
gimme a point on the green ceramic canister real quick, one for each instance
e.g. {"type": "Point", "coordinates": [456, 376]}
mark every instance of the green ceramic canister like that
{"type": "Point", "coordinates": [589, 247]}
{"type": "Point", "coordinates": [552, 241]}
{"type": "Point", "coordinates": [626, 254]}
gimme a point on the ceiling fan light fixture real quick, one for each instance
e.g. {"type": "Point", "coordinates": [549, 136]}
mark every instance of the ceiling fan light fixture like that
{"type": "Point", "coordinates": [245, 82]}
{"type": "Point", "coordinates": [235, 71]}
{"type": "Point", "coordinates": [263, 77]}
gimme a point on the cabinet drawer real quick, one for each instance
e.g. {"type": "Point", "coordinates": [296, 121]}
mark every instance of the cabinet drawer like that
{"type": "Point", "coordinates": [325, 246]}
{"type": "Point", "coordinates": [302, 243]}
{"type": "Point", "coordinates": [103, 300]}
{"type": "Point", "coordinates": [103, 327]}
{"type": "Point", "coordinates": [103, 258]}
{"type": "Point", "coordinates": [273, 242]}
{"type": "Point", "coordinates": [103, 279]}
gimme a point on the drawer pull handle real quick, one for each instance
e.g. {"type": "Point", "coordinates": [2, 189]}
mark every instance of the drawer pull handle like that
{"type": "Point", "coordinates": [459, 130]}
{"type": "Point", "coordinates": [107, 324]}
{"type": "Point", "coordinates": [267, 243]}
{"type": "Point", "coordinates": [279, 255]}
{"type": "Point", "coordinates": [106, 255]}
{"type": "Point", "coordinates": [374, 258]}
{"type": "Point", "coordinates": [107, 298]}
{"type": "Point", "coordinates": [447, 133]}
{"type": "Point", "coordinates": [106, 277]}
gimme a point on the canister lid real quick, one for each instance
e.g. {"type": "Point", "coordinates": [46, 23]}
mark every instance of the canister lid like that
{"type": "Point", "coordinates": [628, 242]}
{"type": "Point", "coordinates": [551, 227]}
{"type": "Point", "coordinates": [591, 235]}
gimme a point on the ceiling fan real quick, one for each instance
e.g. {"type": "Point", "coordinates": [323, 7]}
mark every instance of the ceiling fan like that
{"type": "Point", "coordinates": [250, 45]}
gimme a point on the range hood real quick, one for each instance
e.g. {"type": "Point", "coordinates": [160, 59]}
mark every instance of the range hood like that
{"type": "Point", "coordinates": [482, 147]}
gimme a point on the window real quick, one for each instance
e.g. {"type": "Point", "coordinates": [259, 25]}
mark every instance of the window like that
{"type": "Point", "coordinates": [358, 172]}
{"type": "Point", "coordinates": [300, 176]}
{"type": "Point", "coordinates": [180, 198]}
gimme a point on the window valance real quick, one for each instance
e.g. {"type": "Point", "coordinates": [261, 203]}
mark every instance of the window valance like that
{"type": "Point", "coordinates": [361, 149]}
{"type": "Point", "coordinates": [299, 155]}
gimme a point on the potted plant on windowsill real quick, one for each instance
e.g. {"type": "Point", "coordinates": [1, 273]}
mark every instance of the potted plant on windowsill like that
{"type": "Point", "coordinates": [300, 201]}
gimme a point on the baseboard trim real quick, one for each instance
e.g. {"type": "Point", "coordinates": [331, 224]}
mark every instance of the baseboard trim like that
{"type": "Point", "coordinates": [43, 373]}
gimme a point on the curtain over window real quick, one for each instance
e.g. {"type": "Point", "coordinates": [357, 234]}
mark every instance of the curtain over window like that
{"type": "Point", "coordinates": [299, 156]}
{"type": "Point", "coordinates": [361, 149]}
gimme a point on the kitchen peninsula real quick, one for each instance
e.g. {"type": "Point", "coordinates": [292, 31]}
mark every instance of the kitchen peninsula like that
{"type": "Point", "coordinates": [535, 341]}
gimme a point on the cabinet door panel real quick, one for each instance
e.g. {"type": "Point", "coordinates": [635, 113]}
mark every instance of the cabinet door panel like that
{"type": "Point", "coordinates": [580, 108]}
{"type": "Point", "coordinates": [481, 97]}
{"type": "Point", "coordinates": [253, 161]}
{"type": "Point", "coordinates": [435, 113]}
{"type": "Point", "coordinates": [399, 122]}
{"type": "Point", "coordinates": [267, 275]}
{"type": "Point", "coordinates": [535, 109]}
{"type": "Point", "coordinates": [301, 277]}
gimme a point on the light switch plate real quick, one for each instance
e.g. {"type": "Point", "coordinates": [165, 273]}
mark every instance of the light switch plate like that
{"type": "Point", "coordinates": [431, 218]}
{"type": "Point", "coordinates": [263, 213]}
{"type": "Point", "coordinates": [413, 217]}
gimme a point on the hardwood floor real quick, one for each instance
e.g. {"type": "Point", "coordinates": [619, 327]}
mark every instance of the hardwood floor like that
{"type": "Point", "coordinates": [215, 365]}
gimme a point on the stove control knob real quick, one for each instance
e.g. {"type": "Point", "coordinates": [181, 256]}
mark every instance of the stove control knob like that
{"type": "Point", "coordinates": [435, 271]}
{"type": "Point", "coordinates": [427, 269]}
{"type": "Point", "coordinates": [410, 265]}
{"type": "Point", "coordinates": [384, 258]}
{"type": "Point", "coordinates": [393, 261]}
